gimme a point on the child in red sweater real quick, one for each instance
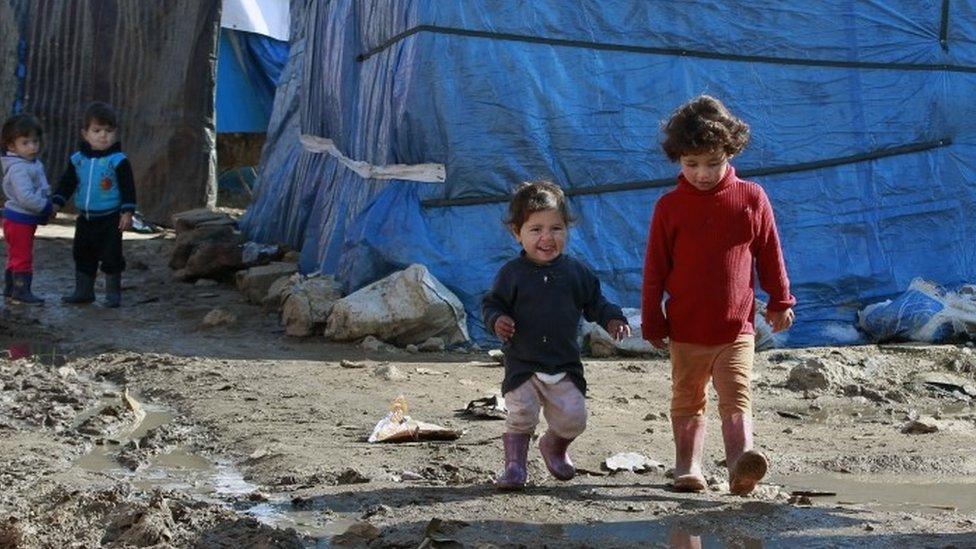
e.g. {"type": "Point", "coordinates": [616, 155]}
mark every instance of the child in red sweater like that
{"type": "Point", "coordinates": [707, 238]}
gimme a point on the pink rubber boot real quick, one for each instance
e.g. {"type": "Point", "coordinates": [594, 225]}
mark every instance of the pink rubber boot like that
{"type": "Point", "coordinates": [554, 452]}
{"type": "Point", "coordinates": [516, 454]}
{"type": "Point", "coordinates": [689, 445]}
{"type": "Point", "coordinates": [746, 466]}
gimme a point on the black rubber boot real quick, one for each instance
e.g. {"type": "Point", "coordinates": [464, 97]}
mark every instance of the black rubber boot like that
{"type": "Point", "coordinates": [8, 283]}
{"type": "Point", "coordinates": [22, 290]}
{"type": "Point", "coordinates": [84, 289]}
{"type": "Point", "coordinates": [113, 290]}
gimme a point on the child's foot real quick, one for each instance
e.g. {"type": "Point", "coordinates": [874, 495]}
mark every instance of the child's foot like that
{"type": "Point", "coordinates": [689, 483]}
{"type": "Point", "coordinates": [516, 454]}
{"type": "Point", "coordinates": [748, 470]}
{"type": "Point", "coordinates": [554, 450]}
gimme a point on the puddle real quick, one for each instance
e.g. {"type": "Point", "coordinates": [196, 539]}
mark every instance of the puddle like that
{"type": "Point", "coordinates": [888, 493]}
{"type": "Point", "coordinates": [213, 481]}
{"type": "Point", "coordinates": [48, 354]}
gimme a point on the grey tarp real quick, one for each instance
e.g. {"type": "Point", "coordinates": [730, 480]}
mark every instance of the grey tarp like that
{"type": "Point", "coordinates": [153, 60]}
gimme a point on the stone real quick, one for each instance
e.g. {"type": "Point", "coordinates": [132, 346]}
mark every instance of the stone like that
{"type": "Point", "coordinates": [432, 345]}
{"type": "Point", "coordinates": [631, 461]}
{"type": "Point", "coordinates": [218, 317]}
{"type": "Point", "coordinates": [255, 282]}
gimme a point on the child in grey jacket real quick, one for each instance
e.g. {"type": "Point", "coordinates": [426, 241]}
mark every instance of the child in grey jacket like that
{"type": "Point", "coordinates": [28, 203]}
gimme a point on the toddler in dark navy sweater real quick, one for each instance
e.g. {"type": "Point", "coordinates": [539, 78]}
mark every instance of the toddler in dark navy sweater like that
{"type": "Point", "coordinates": [534, 307]}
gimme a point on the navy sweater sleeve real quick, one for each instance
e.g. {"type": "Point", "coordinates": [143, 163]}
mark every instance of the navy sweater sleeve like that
{"type": "Point", "coordinates": [499, 300]}
{"type": "Point", "coordinates": [66, 186]}
{"type": "Point", "coordinates": [127, 186]}
{"type": "Point", "coordinates": [596, 308]}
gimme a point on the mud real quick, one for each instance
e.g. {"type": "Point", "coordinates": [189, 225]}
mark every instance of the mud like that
{"type": "Point", "coordinates": [242, 437]}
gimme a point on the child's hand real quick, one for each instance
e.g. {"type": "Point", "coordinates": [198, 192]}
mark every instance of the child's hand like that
{"type": "Point", "coordinates": [661, 343]}
{"type": "Point", "coordinates": [505, 327]}
{"type": "Point", "coordinates": [125, 221]}
{"type": "Point", "coordinates": [780, 320]}
{"type": "Point", "coordinates": [618, 329]}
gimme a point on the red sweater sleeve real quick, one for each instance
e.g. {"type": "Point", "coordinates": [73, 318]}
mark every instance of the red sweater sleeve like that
{"type": "Point", "coordinates": [769, 261]}
{"type": "Point", "coordinates": [657, 266]}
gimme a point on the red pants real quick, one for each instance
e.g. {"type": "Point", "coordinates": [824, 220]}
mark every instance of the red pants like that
{"type": "Point", "coordinates": [20, 246]}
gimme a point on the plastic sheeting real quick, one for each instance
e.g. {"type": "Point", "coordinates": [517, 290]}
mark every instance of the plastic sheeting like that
{"type": "Point", "coordinates": [860, 114]}
{"type": "Point", "coordinates": [248, 69]}
{"type": "Point", "coordinates": [153, 61]}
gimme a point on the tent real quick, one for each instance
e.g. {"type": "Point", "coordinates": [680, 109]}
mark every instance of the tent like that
{"type": "Point", "coordinates": [400, 128]}
{"type": "Point", "coordinates": [158, 69]}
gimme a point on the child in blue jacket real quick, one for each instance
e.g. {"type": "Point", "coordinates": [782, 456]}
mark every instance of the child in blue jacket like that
{"type": "Point", "coordinates": [100, 177]}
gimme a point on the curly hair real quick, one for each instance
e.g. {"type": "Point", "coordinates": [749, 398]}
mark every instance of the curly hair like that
{"type": "Point", "coordinates": [20, 125]}
{"type": "Point", "coordinates": [536, 196]}
{"type": "Point", "coordinates": [703, 125]}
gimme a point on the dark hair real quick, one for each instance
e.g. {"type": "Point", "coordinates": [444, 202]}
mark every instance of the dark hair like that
{"type": "Point", "coordinates": [536, 196]}
{"type": "Point", "coordinates": [99, 112]}
{"type": "Point", "coordinates": [20, 125]}
{"type": "Point", "coordinates": [703, 125]}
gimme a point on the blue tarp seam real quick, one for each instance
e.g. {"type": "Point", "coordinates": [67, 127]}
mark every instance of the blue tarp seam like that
{"type": "Point", "coordinates": [944, 26]}
{"type": "Point", "coordinates": [681, 52]}
{"type": "Point", "coordinates": [745, 173]}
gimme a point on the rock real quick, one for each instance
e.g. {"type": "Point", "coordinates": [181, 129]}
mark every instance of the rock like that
{"type": "Point", "coordinates": [920, 426]}
{"type": "Point", "coordinates": [816, 374]}
{"type": "Point", "coordinates": [188, 243]}
{"type": "Point", "coordinates": [389, 373]}
{"type": "Point", "coordinates": [497, 355]}
{"type": "Point", "coordinates": [356, 364]}
{"type": "Point", "coordinates": [191, 219]}
{"type": "Point", "coordinates": [307, 307]}
{"type": "Point", "coordinates": [255, 282]}
{"type": "Point", "coordinates": [411, 348]}
{"type": "Point", "coordinates": [359, 534]}
{"type": "Point", "coordinates": [292, 256]}
{"type": "Point", "coordinates": [631, 461]}
{"type": "Point", "coordinates": [406, 307]}
{"type": "Point", "coordinates": [213, 260]}
{"type": "Point", "coordinates": [279, 291]}
{"type": "Point", "coordinates": [218, 317]}
{"type": "Point", "coordinates": [370, 343]}
{"type": "Point", "coordinates": [410, 475]}
{"type": "Point", "coordinates": [431, 345]}
{"type": "Point", "coordinates": [205, 283]}
{"type": "Point", "coordinates": [351, 476]}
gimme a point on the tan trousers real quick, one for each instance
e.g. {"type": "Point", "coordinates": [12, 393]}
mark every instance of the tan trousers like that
{"type": "Point", "coordinates": [562, 403]}
{"type": "Point", "coordinates": [730, 368]}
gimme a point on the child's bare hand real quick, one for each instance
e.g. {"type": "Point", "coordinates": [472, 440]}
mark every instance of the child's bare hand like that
{"type": "Point", "coordinates": [505, 327]}
{"type": "Point", "coordinates": [660, 343]}
{"type": "Point", "coordinates": [780, 320]}
{"type": "Point", "coordinates": [618, 329]}
{"type": "Point", "coordinates": [125, 221]}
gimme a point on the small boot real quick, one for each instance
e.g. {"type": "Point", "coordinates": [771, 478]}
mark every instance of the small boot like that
{"type": "Point", "coordinates": [746, 466]}
{"type": "Point", "coordinates": [554, 452]}
{"type": "Point", "coordinates": [689, 445]}
{"type": "Point", "coordinates": [8, 283]}
{"type": "Point", "coordinates": [113, 290]}
{"type": "Point", "coordinates": [516, 454]}
{"type": "Point", "coordinates": [84, 289]}
{"type": "Point", "coordinates": [22, 290]}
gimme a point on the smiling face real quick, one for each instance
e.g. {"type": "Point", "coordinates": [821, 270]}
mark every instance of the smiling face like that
{"type": "Point", "coordinates": [99, 136]}
{"type": "Point", "coordinates": [25, 146]}
{"type": "Point", "coordinates": [704, 170]}
{"type": "Point", "coordinates": [543, 236]}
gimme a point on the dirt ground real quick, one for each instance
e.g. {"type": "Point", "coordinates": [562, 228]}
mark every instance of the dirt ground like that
{"type": "Point", "coordinates": [138, 427]}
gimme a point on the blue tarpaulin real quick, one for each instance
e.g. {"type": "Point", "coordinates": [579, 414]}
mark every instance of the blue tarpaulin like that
{"type": "Point", "coordinates": [861, 136]}
{"type": "Point", "coordinates": [248, 68]}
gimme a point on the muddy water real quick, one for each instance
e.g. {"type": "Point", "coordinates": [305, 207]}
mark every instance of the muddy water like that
{"type": "Point", "coordinates": [213, 481]}
{"type": "Point", "coordinates": [902, 493]}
